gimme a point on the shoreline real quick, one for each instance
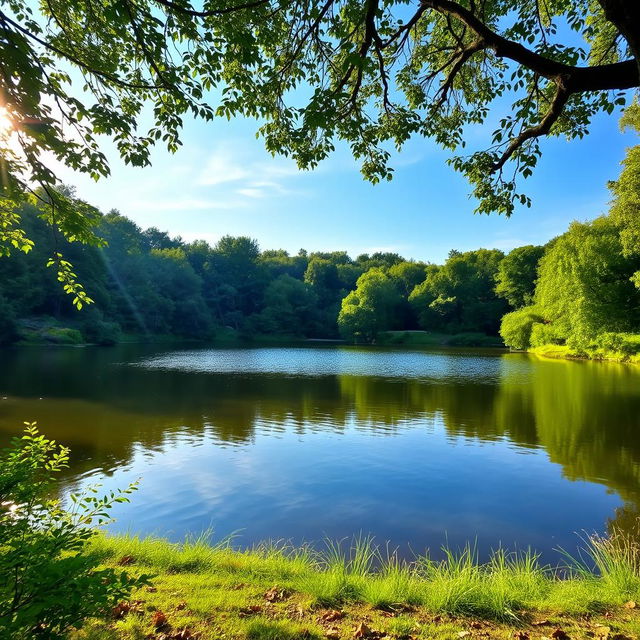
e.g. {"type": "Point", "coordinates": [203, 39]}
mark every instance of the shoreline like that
{"type": "Point", "coordinates": [274, 592]}
{"type": "Point", "coordinates": [563, 352]}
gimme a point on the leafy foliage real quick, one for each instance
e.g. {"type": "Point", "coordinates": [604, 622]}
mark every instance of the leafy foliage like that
{"type": "Point", "coordinates": [371, 74]}
{"type": "Point", "coordinates": [587, 295]}
{"type": "Point", "coordinates": [517, 273]}
{"type": "Point", "coordinates": [49, 581]}
{"type": "Point", "coordinates": [370, 308]}
{"type": "Point", "coordinates": [460, 296]}
{"type": "Point", "coordinates": [516, 327]}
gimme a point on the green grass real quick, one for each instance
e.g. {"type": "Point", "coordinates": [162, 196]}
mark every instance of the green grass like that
{"type": "Point", "coordinates": [566, 352]}
{"type": "Point", "coordinates": [219, 591]}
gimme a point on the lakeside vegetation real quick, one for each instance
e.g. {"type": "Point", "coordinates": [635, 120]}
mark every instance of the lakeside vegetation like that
{"type": "Point", "coordinates": [371, 76]}
{"type": "Point", "coordinates": [586, 302]}
{"type": "Point", "coordinates": [147, 284]}
{"type": "Point", "coordinates": [278, 592]}
{"type": "Point", "coordinates": [578, 296]}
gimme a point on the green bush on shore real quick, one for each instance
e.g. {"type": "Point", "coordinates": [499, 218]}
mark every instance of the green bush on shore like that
{"type": "Point", "coordinates": [49, 582]}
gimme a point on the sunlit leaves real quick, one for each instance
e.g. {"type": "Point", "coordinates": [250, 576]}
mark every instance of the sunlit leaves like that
{"type": "Point", "coordinates": [372, 74]}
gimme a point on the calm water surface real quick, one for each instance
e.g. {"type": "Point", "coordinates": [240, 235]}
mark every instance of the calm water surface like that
{"type": "Point", "coordinates": [413, 447]}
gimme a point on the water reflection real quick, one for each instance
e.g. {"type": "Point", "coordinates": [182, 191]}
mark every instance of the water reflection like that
{"type": "Point", "coordinates": [287, 442]}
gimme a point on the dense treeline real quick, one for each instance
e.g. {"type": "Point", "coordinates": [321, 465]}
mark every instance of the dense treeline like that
{"type": "Point", "coordinates": [587, 296]}
{"type": "Point", "coordinates": [579, 293]}
{"type": "Point", "coordinates": [146, 282]}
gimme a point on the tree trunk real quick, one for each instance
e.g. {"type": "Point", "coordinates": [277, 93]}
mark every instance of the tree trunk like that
{"type": "Point", "coordinates": [625, 15]}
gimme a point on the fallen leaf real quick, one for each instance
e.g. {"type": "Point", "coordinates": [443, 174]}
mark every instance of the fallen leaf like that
{"type": "Point", "coordinates": [362, 631]}
{"type": "Point", "coordinates": [559, 634]}
{"type": "Point", "coordinates": [250, 610]}
{"type": "Point", "coordinates": [125, 561]}
{"type": "Point", "coordinates": [275, 594]}
{"type": "Point", "coordinates": [120, 610]}
{"type": "Point", "coordinates": [331, 615]}
{"type": "Point", "coordinates": [159, 619]}
{"type": "Point", "coordinates": [152, 589]}
{"type": "Point", "coordinates": [124, 607]}
{"type": "Point", "coordinates": [476, 625]}
{"type": "Point", "coordinates": [630, 605]}
{"type": "Point", "coordinates": [463, 634]}
{"type": "Point", "coordinates": [181, 605]}
{"type": "Point", "coordinates": [540, 623]}
{"type": "Point", "coordinates": [521, 635]}
{"type": "Point", "coordinates": [332, 634]}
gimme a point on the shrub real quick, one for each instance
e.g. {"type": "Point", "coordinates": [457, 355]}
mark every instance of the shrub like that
{"type": "Point", "coordinates": [517, 326]}
{"type": "Point", "coordinates": [62, 335]}
{"type": "Point", "coordinates": [49, 581]}
{"type": "Point", "coordinates": [542, 334]}
{"type": "Point", "coordinates": [626, 344]}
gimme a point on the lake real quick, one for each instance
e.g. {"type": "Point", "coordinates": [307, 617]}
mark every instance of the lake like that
{"type": "Point", "coordinates": [417, 448]}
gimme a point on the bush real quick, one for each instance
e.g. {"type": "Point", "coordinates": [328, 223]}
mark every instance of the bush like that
{"type": "Point", "coordinates": [542, 334]}
{"type": "Point", "coordinates": [62, 335]}
{"type": "Point", "coordinates": [516, 327]}
{"type": "Point", "coordinates": [49, 581]}
{"type": "Point", "coordinates": [627, 344]}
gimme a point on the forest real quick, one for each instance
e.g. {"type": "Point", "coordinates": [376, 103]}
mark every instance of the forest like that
{"type": "Point", "coordinates": [146, 283]}
{"type": "Point", "coordinates": [577, 295]}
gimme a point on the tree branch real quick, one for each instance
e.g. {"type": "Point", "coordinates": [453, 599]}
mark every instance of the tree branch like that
{"type": "Point", "coordinates": [542, 128]}
{"type": "Point", "coordinates": [213, 12]}
{"type": "Point", "coordinates": [620, 75]}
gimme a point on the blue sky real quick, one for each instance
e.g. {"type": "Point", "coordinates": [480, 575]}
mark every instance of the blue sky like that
{"type": "Point", "coordinates": [222, 181]}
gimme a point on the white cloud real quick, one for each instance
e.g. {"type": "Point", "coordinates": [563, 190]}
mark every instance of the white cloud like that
{"type": "Point", "coordinates": [222, 167]}
{"type": "Point", "coordinates": [249, 170]}
{"type": "Point", "coordinates": [184, 204]}
{"type": "Point", "coordinates": [252, 192]}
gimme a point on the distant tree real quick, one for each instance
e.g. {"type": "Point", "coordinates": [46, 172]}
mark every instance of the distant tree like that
{"type": "Point", "coordinates": [240, 278]}
{"type": "Point", "coordinates": [460, 296]}
{"type": "Point", "coordinates": [625, 208]}
{"type": "Point", "coordinates": [348, 275]}
{"type": "Point", "coordinates": [516, 327]}
{"type": "Point", "coordinates": [407, 275]}
{"type": "Point", "coordinates": [517, 273]}
{"type": "Point", "coordinates": [290, 308]}
{"type": "Point", "coordinates": [322, 275]}
{"type": "Point", "coordinates": [8, 324]}
{"type": "Point", "coordinates": [278, 262]}
{"type": "Point", "coordinates": [585, 283]}
{"type": "Point", "coordinates": [161, 239]}
{"type": "Point", "coordinates": [371, 308]}
{"type": "Point", "coordinates": [382, 259]}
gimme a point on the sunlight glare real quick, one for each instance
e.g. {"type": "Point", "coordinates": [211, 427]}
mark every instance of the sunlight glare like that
{"type": "Point", "coordinates": [6, 124]}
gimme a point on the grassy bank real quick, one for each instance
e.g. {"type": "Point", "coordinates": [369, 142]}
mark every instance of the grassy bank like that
{"type": "Point", "coordinates": [276, 592]}
{"type": "Point", "coordinates": [565, 352]}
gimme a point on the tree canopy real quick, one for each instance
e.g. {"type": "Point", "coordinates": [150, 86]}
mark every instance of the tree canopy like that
{"type": "Point", "coordinates": [587, 293]}
{"type": "Point", "coordinates": [371, 73]}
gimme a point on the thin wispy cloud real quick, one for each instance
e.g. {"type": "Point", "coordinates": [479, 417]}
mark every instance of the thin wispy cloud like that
{"type": "Point", "coordinates": [183, 204]}
{"type": "Point", "coordinates": [251, 177]}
